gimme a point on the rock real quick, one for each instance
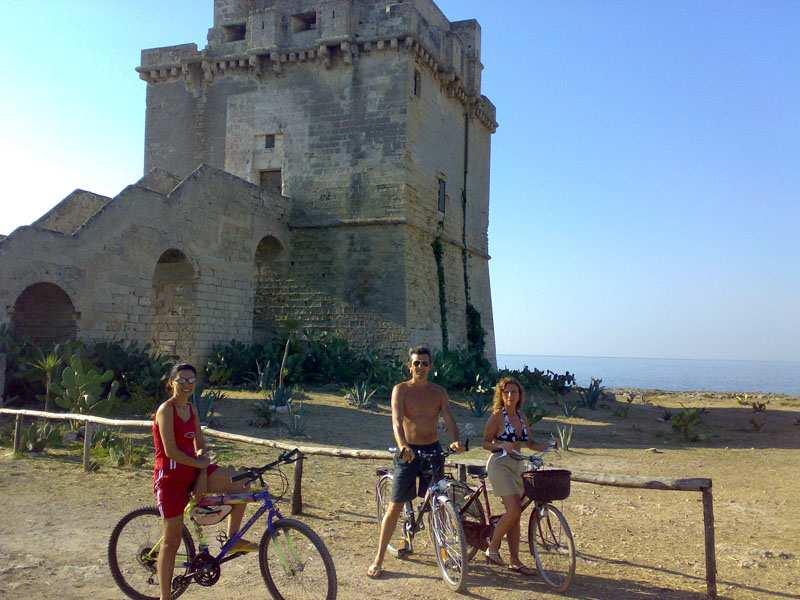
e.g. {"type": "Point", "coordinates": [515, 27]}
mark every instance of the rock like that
{"type": "Point", "coordinates": [653, 450]}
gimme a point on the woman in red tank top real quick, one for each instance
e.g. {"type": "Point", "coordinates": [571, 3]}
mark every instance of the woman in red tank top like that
{"type": "Point", "coordinates": [179, 459]}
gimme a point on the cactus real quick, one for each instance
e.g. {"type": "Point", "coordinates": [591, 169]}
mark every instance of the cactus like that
{"type": "Point", "coordinates": [81, 389]}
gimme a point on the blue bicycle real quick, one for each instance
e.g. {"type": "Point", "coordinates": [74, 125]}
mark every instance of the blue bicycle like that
{"type": "Point", "coordinates": [294, 560]}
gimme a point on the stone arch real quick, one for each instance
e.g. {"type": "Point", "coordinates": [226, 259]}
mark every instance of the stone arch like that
{"type": "Point", "coordinates": [44, 314]}
{"type": "Point", "coordinates": [174, 303]}
{"type": "Point", "coordinates": [270, 287]}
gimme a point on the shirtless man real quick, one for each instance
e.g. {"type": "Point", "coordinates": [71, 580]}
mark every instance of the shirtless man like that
{"type": "Point", "coordinates": [416, 407]}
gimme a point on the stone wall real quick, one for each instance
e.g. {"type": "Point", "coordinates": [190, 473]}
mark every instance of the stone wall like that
{"type": "Point", "coordinates": [2, 379]}
{"type": "Point", "coordinates": [69, 214]}
{"type": "Point", "coordinates": [109, 268]}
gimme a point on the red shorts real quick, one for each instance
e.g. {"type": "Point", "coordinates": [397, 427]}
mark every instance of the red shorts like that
{"type": "Point", "coordinates": [172, 492]}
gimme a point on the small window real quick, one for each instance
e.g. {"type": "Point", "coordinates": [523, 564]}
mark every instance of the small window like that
{"type": "Point", "coordinates": [417, 82]}
{"type": "Point", "coordinates": [304, 21]}
{"type": "Point", "coordinates": [269, 141]}
{"type": "Point", "coordinates": [442, 195]}
{"type": "Point", "coordinates": [235, 33]}
{"type": "Point", "coordinates": [271, 180]}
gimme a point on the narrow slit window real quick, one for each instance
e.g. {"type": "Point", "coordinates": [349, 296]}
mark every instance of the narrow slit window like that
{"type": "Point", "coordinates": [417, 82]}
{"type": "Point", "coordinates": [442, 195]}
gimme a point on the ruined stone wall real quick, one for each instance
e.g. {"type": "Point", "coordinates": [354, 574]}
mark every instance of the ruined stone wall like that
{"type": "Point", "coordinates": [349, 279]}
{"type": "Point", "coordinates": [72, 211]}
{"type": "Point", "coordinates": [110, 267]}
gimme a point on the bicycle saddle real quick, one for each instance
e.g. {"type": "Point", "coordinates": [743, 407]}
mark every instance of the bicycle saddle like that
{"type": "Point", "coordinates": [477, 471]}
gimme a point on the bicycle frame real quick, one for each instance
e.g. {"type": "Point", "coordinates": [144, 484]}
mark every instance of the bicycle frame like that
{"type": "Point", "coordinates": [267, 505]}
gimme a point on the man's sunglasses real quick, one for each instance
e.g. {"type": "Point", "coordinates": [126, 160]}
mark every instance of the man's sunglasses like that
{"type": "Point", "coordinates": [421, 363]}
{"type": "Point", "coordinates": [186, 379]}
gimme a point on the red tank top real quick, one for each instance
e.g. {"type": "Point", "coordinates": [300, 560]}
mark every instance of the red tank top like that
{"type": "Point", "coordinates": [184, 432]}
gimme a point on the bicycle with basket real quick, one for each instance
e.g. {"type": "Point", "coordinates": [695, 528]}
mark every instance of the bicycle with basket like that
{"type": "Point", "coordinates": [550, 538]}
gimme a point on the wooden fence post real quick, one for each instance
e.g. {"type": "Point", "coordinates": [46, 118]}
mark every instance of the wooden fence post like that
{"type": "Point", "coordinates": [462, 472]}
{"type": "Point", "coordinates": [88, 432]}
{"type": "Point", "coordinates": [711, 555]}
{"type": "Point", "coordinates": [18, 434]}
{"type": "Point", "coordinates": [297, 490]}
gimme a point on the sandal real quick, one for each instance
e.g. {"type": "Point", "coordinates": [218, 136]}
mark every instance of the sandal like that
{"type": "Point", "coordinates": [375, 572]}
{"type": "Point", "coordinates": [522, 570]}
{"type": "Point", "coordinates": [494, 558]}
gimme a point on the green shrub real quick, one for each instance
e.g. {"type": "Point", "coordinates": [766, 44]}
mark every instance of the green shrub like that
{"type": "Point", "coordinates": [264, 413]}
{"type": "Point", "coordinates": [360, 395]}
{"type": "Point", "coordinates": [534, 410]}
{"type": "Point", "coordinates": [568, 407]}
{"type": "Point", "coordinates": [41, 435]}
{"type": "Point", "coordinates": [140, 371]}
{"type": "Point", "coordinates": [81, 389]}
{"type": "Point", "coordinates": [479, 397]}
{"type": "Point", "coordinates": [119, 449]}
{"type": "Point", "coordinates": [564, 435]}
{"type": "Point", "coordinates": [204, 404]}
{"type": "Point", "coordinates": [592, 395]}
{"type": "Point", "coordinates": [686, 421]}
{"type": "Point", "coordinates": [296, 418]}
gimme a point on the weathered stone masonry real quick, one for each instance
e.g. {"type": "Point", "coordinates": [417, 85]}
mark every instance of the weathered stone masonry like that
{"type": "Point", "coordinates": [361, 119]}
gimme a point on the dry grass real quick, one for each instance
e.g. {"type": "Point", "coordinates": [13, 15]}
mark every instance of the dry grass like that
{"type": "Point", "coordinates": [632, 543]}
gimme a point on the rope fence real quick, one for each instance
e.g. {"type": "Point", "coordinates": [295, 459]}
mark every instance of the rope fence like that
{"type": "Point", "coordinates": [694, 484]}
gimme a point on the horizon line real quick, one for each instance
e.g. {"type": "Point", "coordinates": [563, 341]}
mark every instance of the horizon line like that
{"type": "Point", "coordinates": [779, 360]}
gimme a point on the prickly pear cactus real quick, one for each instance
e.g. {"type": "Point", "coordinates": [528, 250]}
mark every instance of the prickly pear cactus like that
{"type": "Point", "coordinates": [81, 388]}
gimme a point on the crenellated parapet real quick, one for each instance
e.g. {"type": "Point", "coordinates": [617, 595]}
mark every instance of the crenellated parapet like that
{"type": "Point", "coordinates": [260, 39]}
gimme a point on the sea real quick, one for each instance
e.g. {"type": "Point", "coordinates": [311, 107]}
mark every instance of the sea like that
{"type": "Point", "coordinates": [669, 374]}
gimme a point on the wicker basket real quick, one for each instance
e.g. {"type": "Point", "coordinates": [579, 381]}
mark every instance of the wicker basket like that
{"type": "Point", "coordinates": [548, 485]}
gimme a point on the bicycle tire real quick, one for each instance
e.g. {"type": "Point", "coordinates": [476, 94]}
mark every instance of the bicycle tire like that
{"type": "Point", "coordinates": [124, 582]}
{"type": "Point", "coordinates": [383, 493]}
{"type": "Point", "coordinates": [551, 543]}
{"type": "Point", "coordinates": [449, 543]}
{"type": "Point", "coordinates": [294, 569]}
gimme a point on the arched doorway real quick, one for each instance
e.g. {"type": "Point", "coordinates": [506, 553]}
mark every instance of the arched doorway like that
{"type": "Point", "coordinates": [270, 287]}
{"type": "Point", "coordinates": [174, 305]}
{"type": "Point", "coordinates": [44, 314]}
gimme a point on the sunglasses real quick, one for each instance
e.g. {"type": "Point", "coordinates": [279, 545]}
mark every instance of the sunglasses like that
{"type": "Point", "coordinates": [421, 363]}
{"type": "Point", "coordinates": [186, 379]}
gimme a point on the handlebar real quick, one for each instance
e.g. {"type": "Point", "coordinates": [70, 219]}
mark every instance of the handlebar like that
{"type": "Point", "coordinates": [444, 453]}
{"type": "Point", "coordinates": [252, 473]}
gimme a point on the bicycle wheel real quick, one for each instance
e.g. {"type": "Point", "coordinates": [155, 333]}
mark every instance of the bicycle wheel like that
{"type": "Point", "coordinates": [473, 519]}
{"type": "Point", "coordinates": [400, 537]}
{"type": "Point", "coordinates": [295, 562]}
{"type": "Point", "coordinates": [551, 543]}
{"type": "Point", "coordinates": [449, 543]}
{"type": "Point", "coordinates": [130, 556]}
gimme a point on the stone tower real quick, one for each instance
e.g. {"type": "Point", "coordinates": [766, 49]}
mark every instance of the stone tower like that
{"type": "Point", "coordinates": [367, 116]}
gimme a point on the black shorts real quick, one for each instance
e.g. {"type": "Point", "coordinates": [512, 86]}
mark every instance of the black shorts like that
{"type": "Point", "coordinates": [404, 482]}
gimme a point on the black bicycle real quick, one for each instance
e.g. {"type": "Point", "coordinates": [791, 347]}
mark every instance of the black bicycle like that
{"type": "Point", "coordinates": [436, 513]}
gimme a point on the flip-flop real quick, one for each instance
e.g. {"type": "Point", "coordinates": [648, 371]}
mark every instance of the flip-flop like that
{"type": "Point", "coordinates": [374, 572]}
{"type": "Point", "coordinates": [522, 570]}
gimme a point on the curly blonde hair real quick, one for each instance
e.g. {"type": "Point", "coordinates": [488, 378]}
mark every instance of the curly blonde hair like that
{"type": "Point", "coordinates": [497, 405]}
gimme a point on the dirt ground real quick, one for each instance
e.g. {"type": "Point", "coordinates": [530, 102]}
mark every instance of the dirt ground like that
{"type": "Point", "coordinates": [638, 544]}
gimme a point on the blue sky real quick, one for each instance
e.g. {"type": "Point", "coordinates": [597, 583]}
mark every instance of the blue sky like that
{"type": "Point", "coordinates": [645, 176]}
